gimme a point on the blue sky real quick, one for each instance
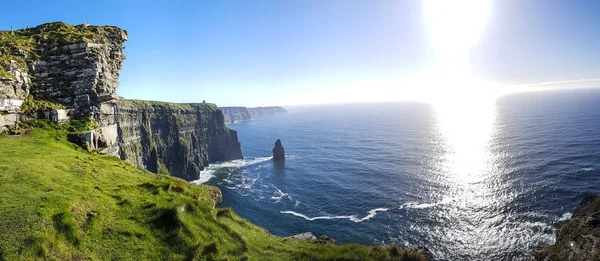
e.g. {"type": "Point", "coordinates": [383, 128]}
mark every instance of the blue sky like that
{"type": "Point", "coordinates": [302, 51]}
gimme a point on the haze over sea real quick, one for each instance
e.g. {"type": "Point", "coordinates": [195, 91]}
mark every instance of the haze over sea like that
{"type": "Point", "coordinates": [475, 183]}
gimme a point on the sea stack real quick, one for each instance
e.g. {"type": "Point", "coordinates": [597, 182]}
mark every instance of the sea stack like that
{"type": "Point", "coordinates": [278, 151]}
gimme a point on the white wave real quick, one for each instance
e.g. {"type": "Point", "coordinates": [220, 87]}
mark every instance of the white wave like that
{"type": "Point", "coordinates": [531, 225]}
{"type": "Point", "coordinates": [417, 205]}
{"type": "Point", "coordinates": [533, 214]}
{"type": "Point", "coordinates": [352, 218]}
{"type": "Point", "coordinates": [280, 194]}
{"type": "Point", "coordinates": [587, 169]}
{"type": "Point", "coordinates": [565, 216]}
{"type": "Point", "coordinates": [208, 172]}
{"type": "Point", "coordinates": [204, 177]}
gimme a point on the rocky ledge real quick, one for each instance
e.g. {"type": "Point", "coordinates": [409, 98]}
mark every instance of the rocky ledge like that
{"type": "Point", "coordinates": [577, 238]}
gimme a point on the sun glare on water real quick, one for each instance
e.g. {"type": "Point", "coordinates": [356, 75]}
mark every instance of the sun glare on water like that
{"type": "Point", "coordinates": [464, 103]}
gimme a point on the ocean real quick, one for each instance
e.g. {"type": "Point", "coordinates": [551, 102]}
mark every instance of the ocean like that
{"type": "Point", "coordinates": [468, 180]}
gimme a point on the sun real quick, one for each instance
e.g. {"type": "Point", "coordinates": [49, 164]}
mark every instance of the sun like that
{"type": "Point", "coordinates": [456, 25]}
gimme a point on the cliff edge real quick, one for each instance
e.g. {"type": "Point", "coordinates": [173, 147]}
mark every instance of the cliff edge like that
{"type": "Point", "coordinates": [577, 238]}
{"type": "Point", "coordinates": [239, 114]}
{"type": "Point", "coordinates": [57, 71]}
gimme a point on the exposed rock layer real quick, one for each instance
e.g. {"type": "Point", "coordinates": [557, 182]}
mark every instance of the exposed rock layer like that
{"type": "Point", "coordinates": [577, 238]}
{"type": "Point", "coordinates": [239, 114]}
{"type": "Point", "coordinates": [78, 68]}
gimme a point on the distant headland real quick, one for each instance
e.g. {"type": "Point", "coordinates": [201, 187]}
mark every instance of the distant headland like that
{"type": "Point", "coordinates": [239, 114]}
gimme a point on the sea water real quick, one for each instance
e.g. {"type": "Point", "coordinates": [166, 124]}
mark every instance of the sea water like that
{"type": "Point", "coordinates": [468, 180]}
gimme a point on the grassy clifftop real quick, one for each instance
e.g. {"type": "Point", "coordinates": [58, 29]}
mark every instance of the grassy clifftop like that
{"type": "Point", "coordinates": [59, 202]}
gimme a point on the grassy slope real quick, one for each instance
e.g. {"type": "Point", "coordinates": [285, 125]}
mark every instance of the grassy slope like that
{"type": "Point", "coordinates": [58, 201]}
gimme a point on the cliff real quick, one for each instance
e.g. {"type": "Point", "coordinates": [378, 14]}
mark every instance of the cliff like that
{"type": "Point", "coordinates": [61, 72]}
{"type": "Point", "coordinates": [238, 114]}
{"type": "Point", "coordinates": [577, 238]}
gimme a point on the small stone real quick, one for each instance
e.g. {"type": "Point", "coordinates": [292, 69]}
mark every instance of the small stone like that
{"type": "Point", "coordinates": [306, 236]}
{"type": "Point", "coordinates": [324, 240]}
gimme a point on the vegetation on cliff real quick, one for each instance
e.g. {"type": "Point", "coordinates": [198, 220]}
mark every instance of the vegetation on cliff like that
{"type": "Point", "coordinates": [31, 105]}
{"type": "Point", "coordinates": [20, 45]}
{"type": "Point", "coordinates": [577, 238]}
{"type": "Point", "coordinates": [143, 104]}
{"type": "Point", "coordinates": [60, 202]}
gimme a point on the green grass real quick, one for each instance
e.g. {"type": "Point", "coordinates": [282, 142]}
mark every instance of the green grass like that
{"type": "Point", "coordinates": [168, 105]}
{"type": "Point", "coordinates": [59, 202]}
{"type": "Point", "coordinates": [31, 105]}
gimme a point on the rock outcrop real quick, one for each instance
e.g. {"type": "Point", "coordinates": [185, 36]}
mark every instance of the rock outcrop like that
{"type": "Point", "coordinates": [309, 237]}
{"type": "Point", "coordinates": [577, 238]}
{"type": "Point", "coordinates": [60, 72]}
{"type": "Point", "coordinates": [239, 114]}
{"type": "Point", "coordinates": [76, 66]}
{"type": "Point", "coordinates": [278, 151]}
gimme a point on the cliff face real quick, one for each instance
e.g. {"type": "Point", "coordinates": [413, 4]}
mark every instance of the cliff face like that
{"type": "Point", "coordinates": [59, 71]}
{"type": "Point", "coordinates": [577, 238]}
{"type": "Point", "coordinates": [238, 114]}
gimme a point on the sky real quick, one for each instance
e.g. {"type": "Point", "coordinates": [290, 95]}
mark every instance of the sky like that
{"type": "Point", "coordinates": [284, 52]}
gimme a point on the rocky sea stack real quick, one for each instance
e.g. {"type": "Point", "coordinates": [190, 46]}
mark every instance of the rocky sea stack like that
{"type": "Point", "coordinates": [278, 151]}
{"type": "Point", "coordinates": [577, 238]}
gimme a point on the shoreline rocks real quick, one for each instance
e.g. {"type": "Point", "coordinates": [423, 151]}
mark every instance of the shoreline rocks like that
{"type": "Point", "coordinates": [577, 238]}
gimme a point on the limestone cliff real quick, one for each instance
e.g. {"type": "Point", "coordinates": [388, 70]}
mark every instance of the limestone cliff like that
{"type": "Point", "coordinates": [59, 71]}
{"type": "Point", "coordinates": [577, 238]}
{"type": "Point", "coordinates": [238, 114]}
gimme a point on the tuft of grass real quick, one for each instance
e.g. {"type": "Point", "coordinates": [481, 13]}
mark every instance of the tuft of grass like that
{"type": "Point", "coordinates": [4, 74]}
{"type": "Point", "coordinates": [31, 105]}
{"type": "Point", "coordinates": [60, 202]}
{"type": "Point", "coordinates": [162, 169]}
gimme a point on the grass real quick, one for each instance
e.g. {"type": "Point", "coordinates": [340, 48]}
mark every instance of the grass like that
{"type": "Point", "coordinates": [31, 105]}
{"type": "Point", "coordinates": [59, 202]}
{"type": "Point", "coordinates": [142, 104]}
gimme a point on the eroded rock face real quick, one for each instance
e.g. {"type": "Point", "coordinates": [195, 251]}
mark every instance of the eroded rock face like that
{"type": "Point", "coordinates": [278, 151]}
{"type": "Point", "coordinates": [182, 138]}
{"type": "Point", "coordinates": [577, 238]}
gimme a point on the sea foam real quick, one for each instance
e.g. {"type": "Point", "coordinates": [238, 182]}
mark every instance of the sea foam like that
{"type": "Point", "coordinates": [208, 172]}
{"type": "Point", "coordinates": [417, 205]}
{"type": "Point", "coordinates": [352, 218]}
